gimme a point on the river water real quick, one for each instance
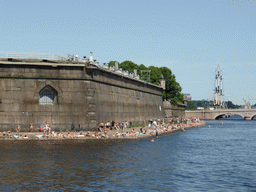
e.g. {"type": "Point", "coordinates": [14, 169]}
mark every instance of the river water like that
{"type": "Point", "coordinates": [222, 158]}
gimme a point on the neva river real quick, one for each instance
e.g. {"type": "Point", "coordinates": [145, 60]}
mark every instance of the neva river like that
{"type": "Point", "coordinates": [222, 158]}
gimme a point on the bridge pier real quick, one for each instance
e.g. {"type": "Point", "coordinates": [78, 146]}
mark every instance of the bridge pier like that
{"type": "Point", "coordinates": [247, 118]}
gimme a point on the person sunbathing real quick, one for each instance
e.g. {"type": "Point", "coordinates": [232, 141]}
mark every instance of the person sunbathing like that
{"type": "Point", "coordinates": [133, 133]}
{"type": "Point", "coordinates": [9, 134]}
{"type": "Point", "coordinates": [69, 135]}
{"type": "Point", "coordinates": [107, 125]}
{"type": "Point", "coordinates": [175, 126]}
{"type": "Point", "coordinates": [117, 135]}
{"type": "Point", "coordinates": [117, 126]}
{"type": "Point", "coordinates": [25, 136]}
{"type": "Point", "coordinates": [80, 135]}
{"type": "Point", "coordinates": [1, 134]}
{"type": "Point", "coordinates": [97, 134]}
{"type": "Point", "coordinates": [161, 130]}
{"type": "Point", "coordinates": [106, 132]}
{"type": "Point", "coordinates": [147, 132]}
{"type": "Point", "coordinates": [101, 127]}
{"type": "Point", "coordinates": [88, 134]}
{"type": "Point", "coordinates": [54, 135]}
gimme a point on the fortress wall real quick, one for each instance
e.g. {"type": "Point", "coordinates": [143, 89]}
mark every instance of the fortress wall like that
{"type": "Point", "coordinates": [20, 103]}
{"type": "Point", "coordinates": [86, 96]}
{"type": "Point", "coordinates": [125, 104]}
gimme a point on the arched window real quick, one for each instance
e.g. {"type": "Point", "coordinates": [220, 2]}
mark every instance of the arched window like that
{"type": "Point", "coordinates": [48, 96]}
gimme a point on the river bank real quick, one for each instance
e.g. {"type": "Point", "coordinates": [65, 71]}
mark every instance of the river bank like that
{"type": "Point", "coordinates": [128, 133]}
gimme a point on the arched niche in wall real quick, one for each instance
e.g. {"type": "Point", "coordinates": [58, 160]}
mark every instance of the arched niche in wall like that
{"type": "Point", "coordinates": [41, 84]}
{"type": "Point", "coordinates": [48, 96]}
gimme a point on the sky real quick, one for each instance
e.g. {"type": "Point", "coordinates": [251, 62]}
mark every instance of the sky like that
{"type": "Point", "coordinates": [189, 37]}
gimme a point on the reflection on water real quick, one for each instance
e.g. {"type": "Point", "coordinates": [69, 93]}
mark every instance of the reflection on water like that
{"type": "Point", "coordinates": [220, 158]}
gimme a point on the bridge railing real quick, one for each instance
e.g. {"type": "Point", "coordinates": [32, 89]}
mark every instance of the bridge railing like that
{"type": "Point", "coordinates": [27, 55]}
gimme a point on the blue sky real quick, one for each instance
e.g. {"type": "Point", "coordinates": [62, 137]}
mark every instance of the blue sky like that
{"type": "Point", "coordinates": [189, 37]}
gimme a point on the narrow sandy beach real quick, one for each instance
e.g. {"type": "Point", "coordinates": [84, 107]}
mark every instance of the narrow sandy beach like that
{"type": "Point", "coordinates": [82, 135]}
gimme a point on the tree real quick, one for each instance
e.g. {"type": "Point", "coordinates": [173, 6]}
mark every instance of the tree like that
{"type": "Point", "coordinates": [173, 89]}
{"type": "Point", "coordinates": [230, 105]}
{"type": "Point", "coordinates": [128, 66]}
{"type": "Point", "coordinates": [191, 105]}
{"type": "Point", "coordinates": [111, 63]}
{"type": "Point", "coordinates": [155, 74]}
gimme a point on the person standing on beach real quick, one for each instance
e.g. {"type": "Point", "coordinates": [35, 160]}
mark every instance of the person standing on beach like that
{"type": "Point", "coordinates": [44, 131]}
{"type": "Point", "coordinates": [31, 127]}
{"type": "Point", "coordinates": [158, 122]}
{"type": "Point", "coordinates": [125, 125]}
{"type": "Point", "coordinates": [40, 128]}
{"type": "Point", "coordinates": [122, 126]}
{"type": "Point", "coordinates": [112, 124]}
{"type": "Point", "coordinates": [130, 123]}
{"type": "Point", "coordinates": [47, 129]}
{"type": "Point", "coordinates": [50, 130]}
{"type": "Point", "coordinates": [156, 131]}
{"type": "Point", "coordinates": [18, 129]}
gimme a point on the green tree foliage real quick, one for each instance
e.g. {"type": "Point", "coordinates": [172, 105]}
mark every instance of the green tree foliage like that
{"type": "Point", "coordinates": [142, 67]}
{"type": "Point", "coordinates": [111, 63]}
{"type": "Point", "coordinates": [155, 74]}
{"type": "Point", "coordinates": [192, 105]}
{"type": "Point", "coordinates": [172, 90]}
{"type": "Point", "coordinates": [230, 105]}
{"type": "Point", "coordinates": [128, 66]}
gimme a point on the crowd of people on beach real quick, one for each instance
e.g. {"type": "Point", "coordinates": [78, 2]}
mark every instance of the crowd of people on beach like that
{"type": "Point", "coordinates": [153, 128]}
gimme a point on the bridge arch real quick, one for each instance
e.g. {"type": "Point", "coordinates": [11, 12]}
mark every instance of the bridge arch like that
{"type": "Point", "coordinates": [227, 114]}
{"type": "Point", "coordinates": [219, 116]}
{"type": "Point", "coordinates": [253, 116]}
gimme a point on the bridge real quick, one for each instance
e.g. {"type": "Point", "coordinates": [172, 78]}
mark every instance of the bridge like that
{"type": "Point", "coordinates": [207, 114]}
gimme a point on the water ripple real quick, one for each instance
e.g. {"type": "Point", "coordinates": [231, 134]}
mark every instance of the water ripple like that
{"type": "Point", "coordinates": [200, 159]}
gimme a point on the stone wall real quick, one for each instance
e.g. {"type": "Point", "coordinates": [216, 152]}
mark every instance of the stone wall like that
{"type": "Point", "coordinates": [86, 96]}
{"type": "Point", "coordinates": [174, 111]}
